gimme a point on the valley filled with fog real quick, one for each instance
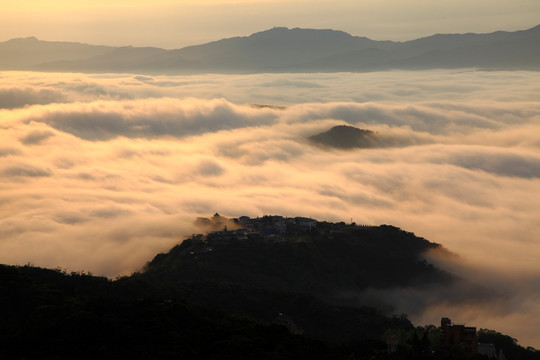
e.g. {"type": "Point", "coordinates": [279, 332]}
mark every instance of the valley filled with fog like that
{"type": "Point", "coordinates": [101, 172]}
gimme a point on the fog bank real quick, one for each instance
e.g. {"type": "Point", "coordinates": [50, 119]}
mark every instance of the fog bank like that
{"type": "Point", "coordinates": [101, 172]}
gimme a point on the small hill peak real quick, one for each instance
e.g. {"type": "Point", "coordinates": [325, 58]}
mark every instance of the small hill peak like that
{"type": "Point", "coordinates": [346, 137]}
{"type": "Point", "coordinates": [26, 39]}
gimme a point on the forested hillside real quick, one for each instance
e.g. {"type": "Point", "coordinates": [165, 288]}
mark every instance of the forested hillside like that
{"type": "Point", "coordinates": [267, 289]}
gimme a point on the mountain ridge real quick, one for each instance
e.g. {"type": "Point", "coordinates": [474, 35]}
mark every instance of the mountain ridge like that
{"type": "Point", "coordinates": [281, 49]}
{"type": "Point", "coordinates": [334, 262]}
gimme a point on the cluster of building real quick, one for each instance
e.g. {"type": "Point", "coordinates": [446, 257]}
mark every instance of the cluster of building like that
{"type": "Point", "coordinates": [458, 335]}
{"type": "Point", "coordinates": [266, 228]}
{"type": "Point", "coordinates": [275, 224]}
{"type": "Point", "coordinates": [454, 336]}
{"type": "Point", "coordinates": [269, 228]}
{"type": "Point", "coordinates": [466, 338]}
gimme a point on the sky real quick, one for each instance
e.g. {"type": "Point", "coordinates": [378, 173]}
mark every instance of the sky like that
{"type": "Point", "coordinates": [100, 173]}
{"type": "Point", "coordinates": [174, 24]}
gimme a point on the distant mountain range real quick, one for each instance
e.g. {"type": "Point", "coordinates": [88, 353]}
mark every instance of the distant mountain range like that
{"type": "Point", "coordinates": [284, 50]}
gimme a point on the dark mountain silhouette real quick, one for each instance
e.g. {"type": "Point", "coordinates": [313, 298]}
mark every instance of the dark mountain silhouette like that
{"type": "Point", "coordinates": [285, 50]}
{"type": "Point", "coordinates": [296, 265]}
{"type": "Point", "coordinates": [47, 314]}
{"type": "Point", "coordinates": [301, 255]}
{"type": "Point", "coordinates": [508, 50]}
{"type": "Point", "coordinates": [276, 48]}
{"type": "Point", "coordinates": [264, 290]}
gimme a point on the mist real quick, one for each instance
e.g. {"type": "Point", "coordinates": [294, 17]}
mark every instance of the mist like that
{"type": "Point", "coordinates": [101, 172]}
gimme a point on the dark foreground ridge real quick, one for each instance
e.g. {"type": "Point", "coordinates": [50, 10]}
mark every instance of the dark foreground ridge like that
{"type": "Point", "coordinates": [263, 288]}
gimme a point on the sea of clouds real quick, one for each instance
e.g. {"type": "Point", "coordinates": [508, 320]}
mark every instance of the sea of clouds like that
{"type": "Point", "coordinates": [101, 172]}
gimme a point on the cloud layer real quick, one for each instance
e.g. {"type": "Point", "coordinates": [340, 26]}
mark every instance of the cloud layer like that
{"type": "Point", "coordinates": [101, 172]}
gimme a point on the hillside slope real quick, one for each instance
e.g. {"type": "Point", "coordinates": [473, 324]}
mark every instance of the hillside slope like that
{"type": "Point", "coordinates": [227, 294]}
{"type": "Point", "coordinates": [297, 266]}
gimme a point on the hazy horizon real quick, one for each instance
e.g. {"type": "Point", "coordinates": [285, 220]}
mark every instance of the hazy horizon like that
{"type": "Point", "coordinates": [396, 38]}
{"type": "Point", "coordinates": [172, 25]}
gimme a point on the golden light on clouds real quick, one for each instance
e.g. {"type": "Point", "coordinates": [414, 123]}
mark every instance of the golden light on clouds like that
{"type": "Point", "coordinates": [101, 172]}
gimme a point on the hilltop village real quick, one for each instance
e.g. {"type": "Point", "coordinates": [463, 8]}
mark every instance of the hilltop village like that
{"type": "Point", "coordinates": [269, 228]}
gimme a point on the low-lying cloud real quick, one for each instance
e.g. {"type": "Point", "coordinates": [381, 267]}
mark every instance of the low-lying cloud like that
{"type": "Point", "coordinates": [17, 171]}
{"type": "Point", "coordinates": [152, 118]}
{"type": "Point", "coordinates": [13, 97]}
{"type": "Point", "coordinates": [102, 172]}
{"type": "Point", "coordinates": [36, 137]}
{"type": "Point", "coordinates": [504, 163]}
